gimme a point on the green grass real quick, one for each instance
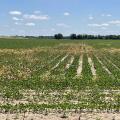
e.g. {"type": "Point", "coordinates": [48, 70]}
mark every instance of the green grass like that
{"type": "Point", "coordinates": [26, 43]}
{"type": "Point", "coordinates": [33, 43]}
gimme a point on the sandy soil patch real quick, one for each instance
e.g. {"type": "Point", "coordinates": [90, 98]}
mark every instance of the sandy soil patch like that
{"type": "Point", "coordinates": [61, 116]}
{"type": "Point", "coordinates": [59, 62]}
{"type": "Point", "coordinates": [70, 63]}
{"type": "Point", "coordinates": [79, 70]}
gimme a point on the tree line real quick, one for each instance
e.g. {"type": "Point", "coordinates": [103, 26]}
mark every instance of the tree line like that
{"type": "Point", "coordinates": [86, 36]}
{"type": "Point", "coordinates": [74, 37]}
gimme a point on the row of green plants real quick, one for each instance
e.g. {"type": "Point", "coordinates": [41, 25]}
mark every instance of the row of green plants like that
{"type": "Point", "coordinates": [60, 80]}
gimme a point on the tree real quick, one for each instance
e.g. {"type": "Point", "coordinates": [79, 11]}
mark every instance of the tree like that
{"type": "Point", "coordinates": [85, 36]}
{"type": "Point", "coordinates": [73, 36]}
{"type": "Point", "coordinates": [79, 36]}
{"type": "Point", "coordinates": [58, 36]}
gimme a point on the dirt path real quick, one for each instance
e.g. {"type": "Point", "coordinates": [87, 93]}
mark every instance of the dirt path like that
{"type": "Point", "coordinates": [79, 70]}
{"type": "Point", "coordinates": [61, 116]}
{"type": "Point", "coordinates": [59, 62]}
{"type": "Point", "coordinates": [70, 63]}
{"type": "Point", "coordinates": [93, 70]}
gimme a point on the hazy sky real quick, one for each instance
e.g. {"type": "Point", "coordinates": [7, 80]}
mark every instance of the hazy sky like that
{"type": "Point", "coordinates": [47, 17]}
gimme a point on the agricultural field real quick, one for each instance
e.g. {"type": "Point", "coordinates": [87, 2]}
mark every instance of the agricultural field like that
{"type": "Point", "coordinates": [59, 79]}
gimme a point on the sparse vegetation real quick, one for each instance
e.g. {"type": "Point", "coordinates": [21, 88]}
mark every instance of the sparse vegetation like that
{"type": "Point", "coordinates": [34, 78]}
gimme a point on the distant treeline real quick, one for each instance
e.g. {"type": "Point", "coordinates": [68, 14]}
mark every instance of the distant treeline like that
{"type": "Point", "coordinates": [74, 37]}
{"type": "Point", "coordinates": [85, 36]}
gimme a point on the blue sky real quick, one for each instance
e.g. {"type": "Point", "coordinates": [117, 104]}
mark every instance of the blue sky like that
{"type": "Point", "coordinates": [47, 17]}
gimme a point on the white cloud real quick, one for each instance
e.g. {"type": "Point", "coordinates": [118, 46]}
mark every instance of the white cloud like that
{"type": "Point", "coordinates": [115, 22]}
{"type": "Point", "coordinates": [106, 15]}
{"type": "Point", "coordinates": [37, 12]}
{"type": "Point", "coordinates": [91, 17]}
{"type": "Point", "coordinates": [63, 25]}
{"type": "Point", "coordinates": [66, 13]}
{"type": "Point", "coordinates": [30, 24]}
{"type": "Point", "coordinates": [109, 15]}
{"type": "Point", "coordinates": [103, 28]}
{"type": "Point", "coordinates": [15, 13]}
{"type": "Point", "coordinates": [17, 23]}
{"type": "Point", "coordinates": [16, 19]}
{"type": "Point", "coordinates": [36, 17]}
{"type": "Point", "coordinates": [99, 25]}
{"type": "Point", "coordinates": [105, 25]}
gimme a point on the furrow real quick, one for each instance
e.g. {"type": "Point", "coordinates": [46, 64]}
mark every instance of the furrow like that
{"type": "Point", "coordinates": [113, 64]}
{"type": "Point", "coordinates": [106, 69]}
{"type": "Point", "coordinates": [59, 62]}
{"type": "Point", "coordinates": [70, 63]}
{"type": "Point", "coordinates": [93, 70]}
{"type": "Point", "coordinates": [54, 59]}
{"type": "Point", "coordinates": [79, 69]}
